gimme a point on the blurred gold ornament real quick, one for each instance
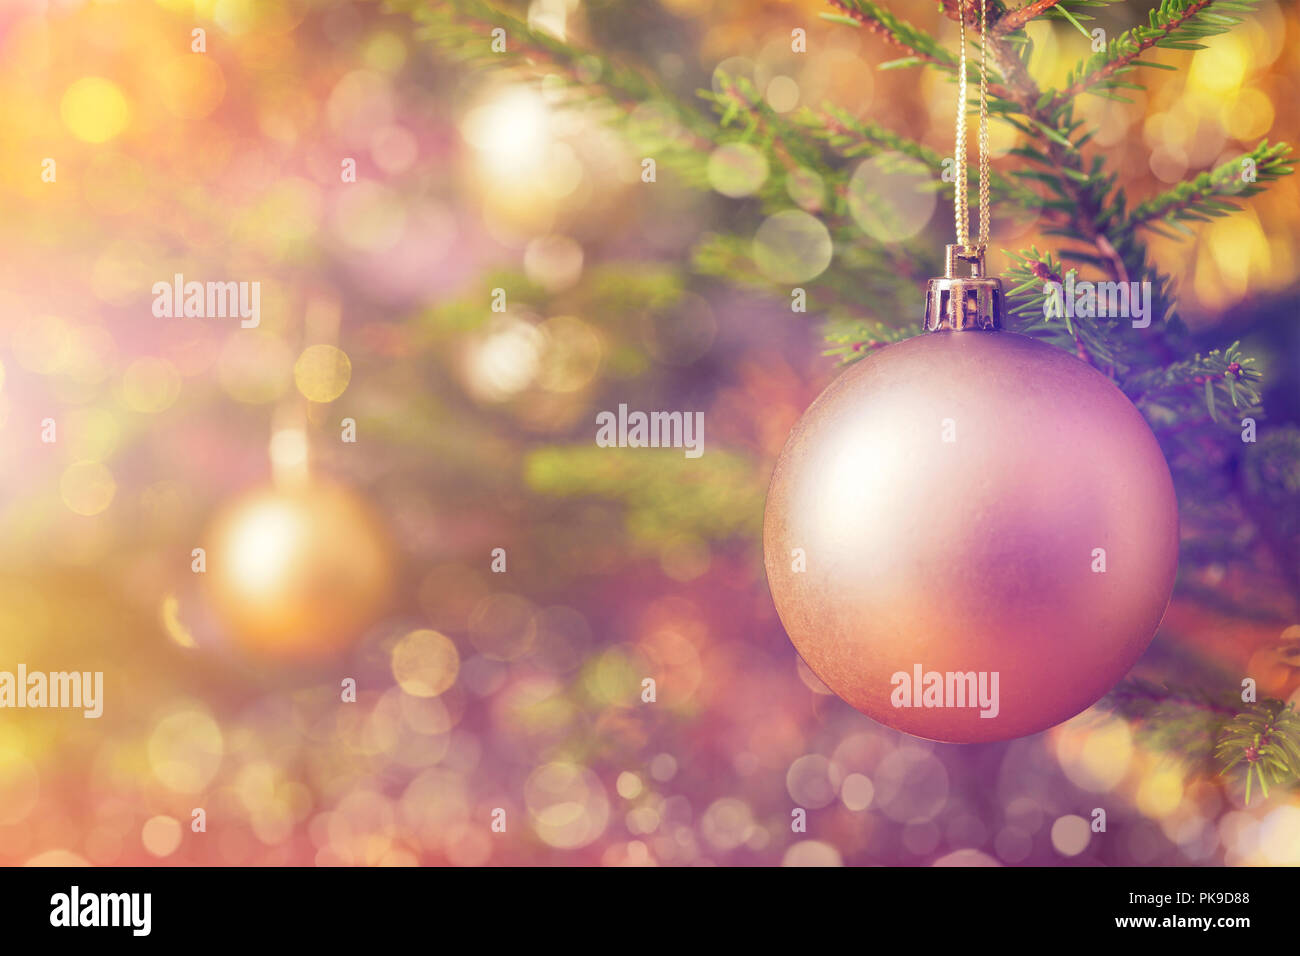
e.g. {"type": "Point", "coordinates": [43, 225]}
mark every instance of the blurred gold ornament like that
{"type": "Point", "coordinates": [299, 573]}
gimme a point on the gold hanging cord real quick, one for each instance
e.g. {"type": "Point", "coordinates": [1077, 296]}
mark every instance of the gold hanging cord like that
{"type": "Point", "coordinates": [959, 206]}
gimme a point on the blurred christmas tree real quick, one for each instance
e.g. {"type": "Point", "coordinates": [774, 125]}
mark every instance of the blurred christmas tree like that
{"type": "Point", "coordinates": [846, 201]}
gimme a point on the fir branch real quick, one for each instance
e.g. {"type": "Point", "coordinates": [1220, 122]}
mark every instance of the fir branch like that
{"type": "Point", "coordinates": [717, 496]}
{"type": "Point", "coordinates": [1183, 722]}
{"type": "Point", "coordinates": [1011, 21]}
{"type": "Point", "coordinates": [852, 138]}
{"type": "Point", "coordinates": [1264, 739]}
{"type": "Point", "coordinates": [891, 292]}
{"type": "Point", "coordinates": [739, 102]}
{"type": "Point", "coordinates": [1261, 741]}
{"type": "Point", "coordinates": [1174, 25]}
{"type": "Point", "coordinates": [1197, 199]}
{"type": "Point", "coordinates": [462, 31]}
{"type": "Point", "coordinates": [919, 45]}
{"type": "Point", "coordinates": [1081, 214]}
{"type": "Point", "coordinates": [1016, 19]}
{"type": "Point", "coordinates": [852, 339]}
{"type": "Point", "coordinates": [1221, 378]}
{"type": "Point", "coordinates": [1027, 295]}
{"type": "Point", "coordinates": [1019, 87]}
{"type": "Point", "coordinates": [900, 33]}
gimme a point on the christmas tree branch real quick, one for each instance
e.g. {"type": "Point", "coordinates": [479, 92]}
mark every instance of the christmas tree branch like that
{"type": "Point", "coordinates": [853, 339]}
{"type": "Point", "coordinates": [1016, 19]}
{"type": "Point", "coordinates": [852, 138]}
{"type": "Point", "coordinates": [1079, 214]}
{"type": "Point", "coordinates": [890, 292]}
{"type": "Point", "coordinates": [1222, 376]}
{"type": "Point", "coordinates": [1174, 25]}
{"type": "Point", "coordinates": [1259, 741]}
{"type": "Point", "coordinates": [717, 496]}
{"type": "Point", "coordinates": [1197, 199]}
{"type": "Point", "coordinates": [1264, 739]}
{"type": "Point", "coordinates": [1079, 205]}
{"type": "Point", "coordinates": [1027, 296]}
{"type": "Point", "coordinates": [901, 34]}
{"type": "Point", "coordinates": [462, 29]}
{"type": "Point", "coordinates": [739, 102]}
{"type": "Point", "coordinates": [1020, 87]}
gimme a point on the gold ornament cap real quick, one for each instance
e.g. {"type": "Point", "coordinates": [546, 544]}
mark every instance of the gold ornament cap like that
{"type": "Point", "coordinates": [958, 303]}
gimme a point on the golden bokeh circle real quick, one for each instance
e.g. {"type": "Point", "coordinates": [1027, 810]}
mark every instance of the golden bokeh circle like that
{"type": "Point", "coordinates": [425, 663]}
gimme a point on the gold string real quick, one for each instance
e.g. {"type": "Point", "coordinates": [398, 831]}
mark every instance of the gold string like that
{"type": "Point", "coordinates": [960, 214]}
{"type": "Point", "coordinates": [959, 203]}
{"type": "Point", "coordinates": [984, 136]}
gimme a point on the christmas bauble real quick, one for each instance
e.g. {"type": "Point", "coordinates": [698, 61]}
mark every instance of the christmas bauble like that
{"type": "Point", "coordinates": [971, 535]}
{"type": "Point", "coordinates": [298, 573]}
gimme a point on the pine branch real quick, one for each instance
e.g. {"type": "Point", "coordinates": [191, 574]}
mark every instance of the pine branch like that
{"type": "Point", "coordinates": [1173, 25]}
{"type": "Point", "coordinates": [1183, 722]}
{"type": "Point", "coordinates": [716, 496]}
{"type": "Point", "coordinates": [900, 33]}
{"type": "Point", "coordinates": [1190, 392]}
{"type": "Point", "coordinates": [1265, 740]}
{"type": "Point", "coordinates": [1078, 210]}
{"type": "Point", "coordinates": [1261, 741]}
{"type": "Point", "coordinates": [1196, 199]}
{"type": "Point", "coordinates": [1170, 392]}
{"type": "Point", "coordinates": [852, 138]}
{"type": "Point", "coordinates": [738, 103]}
{"type": "Point", "coordinates": [1081, 204]}
{"type": "Point", "coordinates": [919, 45]}
{"type": "Point", "coordinates": [1016, 19]}
{"type": "Point", "coordinates": [1222, 377]}
{"type": "Point", "coordinates": [852, 339]}
{"type": "Point", "coordinates": [462, 29]}
{"type": "Point", "coordinates": [1081, 213]}
{"type": "Point", "coordinates": [892, 291]}
{"type": "Point", "coordinates": [793, 151]}
{"type": "Point", "coordinates": [1005, 48]}
{"type": "Point", "coordinates": [1027, 311]}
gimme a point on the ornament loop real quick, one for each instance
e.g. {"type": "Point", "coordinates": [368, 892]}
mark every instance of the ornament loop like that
{"type": "Point", "coordinates": [958, 303]}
